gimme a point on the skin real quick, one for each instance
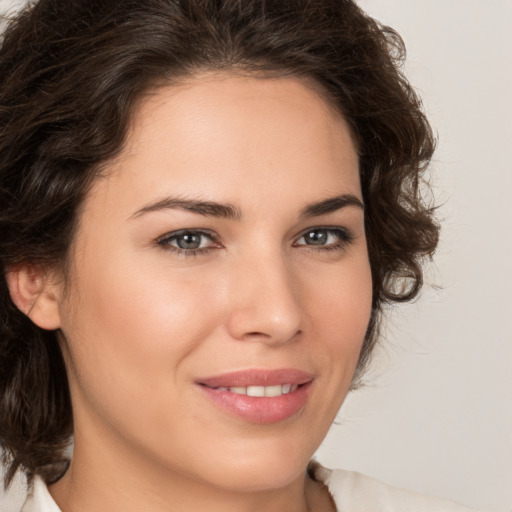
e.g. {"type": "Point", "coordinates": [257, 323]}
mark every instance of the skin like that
{"type": "Point", "coordinates": [141, 321]}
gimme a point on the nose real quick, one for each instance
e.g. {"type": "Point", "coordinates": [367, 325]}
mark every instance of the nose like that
{"type": "Point", "coordinates": [264, 302]}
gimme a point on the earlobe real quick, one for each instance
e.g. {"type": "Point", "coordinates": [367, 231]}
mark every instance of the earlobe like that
{"type": "Point", "coordinates": [35, 295]}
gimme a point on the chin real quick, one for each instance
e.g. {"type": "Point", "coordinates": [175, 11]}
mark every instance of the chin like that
{"type": "Point", "coordinates": [259, 468]}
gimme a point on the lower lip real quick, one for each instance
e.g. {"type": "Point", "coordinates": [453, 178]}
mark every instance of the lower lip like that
{"type": "Point", "coordinates": [261, 410]}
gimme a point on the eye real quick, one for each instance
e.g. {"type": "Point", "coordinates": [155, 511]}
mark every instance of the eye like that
{"type": "Point", "coordinates": [188, 241]}
{"type": "Point", "coordinates": [325, 238]}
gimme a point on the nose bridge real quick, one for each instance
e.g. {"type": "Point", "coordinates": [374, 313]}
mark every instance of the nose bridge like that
{"type": "Point", "coordinates": [266, 304]}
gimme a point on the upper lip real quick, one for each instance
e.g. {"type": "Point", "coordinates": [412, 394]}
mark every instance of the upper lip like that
{"type": "Point", "coordinates": [257, 377]}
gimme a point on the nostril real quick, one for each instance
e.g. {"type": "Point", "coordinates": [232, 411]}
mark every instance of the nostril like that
{"type": "Point", "coordinates": [276, 336]}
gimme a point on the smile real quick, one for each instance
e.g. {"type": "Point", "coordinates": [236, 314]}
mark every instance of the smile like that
{"type": "Point", "coordinates": [259, 396]}
{"type": "Point", "coordinates": [260, 391]}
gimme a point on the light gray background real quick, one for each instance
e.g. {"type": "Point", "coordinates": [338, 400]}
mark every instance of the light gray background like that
{"type": "Point", "coordinates": [436, 416]}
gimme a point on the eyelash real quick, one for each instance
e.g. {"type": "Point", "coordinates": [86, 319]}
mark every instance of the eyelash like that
{"type": "Point", "coordinates": [165, 242]}
{"type": "Point", "coordinates": [345, 238]}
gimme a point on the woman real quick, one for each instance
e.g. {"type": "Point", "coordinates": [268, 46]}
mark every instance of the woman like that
{"type": "Point", "coordinates": [205, 206]}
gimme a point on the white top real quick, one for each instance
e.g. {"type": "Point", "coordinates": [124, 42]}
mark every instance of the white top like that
{"type": "Point", "coordinates": [351, 492]}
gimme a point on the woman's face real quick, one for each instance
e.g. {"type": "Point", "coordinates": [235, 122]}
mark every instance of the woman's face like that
{"type": "Point", "coordinates": [222, 256]}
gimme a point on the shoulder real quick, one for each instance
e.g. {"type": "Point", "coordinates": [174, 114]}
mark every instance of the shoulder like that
{"type": "Point", "coordinates": [354, 492]}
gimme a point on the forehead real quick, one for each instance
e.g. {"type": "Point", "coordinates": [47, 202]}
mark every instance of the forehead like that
{"type": "Point", "coordinates": [229, 137]}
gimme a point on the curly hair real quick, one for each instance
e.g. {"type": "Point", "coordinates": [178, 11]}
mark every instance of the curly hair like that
{"type": "Point", "coordinates": [71, 73]}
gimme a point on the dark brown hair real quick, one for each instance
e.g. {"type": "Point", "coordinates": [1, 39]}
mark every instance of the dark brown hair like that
{"type": "Point", "coordinates": [71, 72]}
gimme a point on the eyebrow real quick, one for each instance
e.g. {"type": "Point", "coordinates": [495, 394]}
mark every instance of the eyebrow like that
{"type": "Point", "coordinates": [331, 205]}
{"type": "Point", "coordinates": [232, 212]}
{"type": "Point", "coordinates": [206, 208]}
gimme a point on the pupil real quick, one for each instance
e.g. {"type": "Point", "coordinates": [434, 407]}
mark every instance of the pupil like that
{"type": "Point", "coordinates": [316, 237]}
{"type": "Point", "coordinates": [189, 241]}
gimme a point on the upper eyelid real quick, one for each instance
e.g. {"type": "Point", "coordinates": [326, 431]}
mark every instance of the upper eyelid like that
{"type": "Point", "coordinates": [333, 229]}
{"type": "Point", "coordinates": [172, 234]}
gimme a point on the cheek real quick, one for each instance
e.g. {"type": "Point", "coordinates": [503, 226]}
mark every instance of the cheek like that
{"type": "Point", "coordinates": [339, 311]}
{"type": "Point", "coordinates": [129, 336]}
{"type": "Point", "coordinates": [129, 325]}
{"type": "Point", "coordinates": [341, 301]}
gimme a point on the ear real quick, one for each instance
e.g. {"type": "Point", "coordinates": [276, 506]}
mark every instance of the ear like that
{"type": "Point", "coordinates": [35, 294]}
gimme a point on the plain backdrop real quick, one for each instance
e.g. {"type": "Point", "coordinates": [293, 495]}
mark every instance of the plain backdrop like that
{"type": "Point", "coordinates": [436, 414]}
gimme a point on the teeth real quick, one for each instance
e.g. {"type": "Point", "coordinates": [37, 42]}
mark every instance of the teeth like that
{"type": "Point", "coordinates": [255, 390]}
{"type": "Point", "coordinates": [273, 390]}
{"type": "Point", "coordinates": [259, 391]}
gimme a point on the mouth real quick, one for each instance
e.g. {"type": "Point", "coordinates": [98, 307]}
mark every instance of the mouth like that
{"type": "Point", "coordinates": [261, 391]}
{"type": "Point", "coordinates": [259, 396]}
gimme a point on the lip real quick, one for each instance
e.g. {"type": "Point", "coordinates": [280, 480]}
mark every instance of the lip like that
{"type": "Point", "coordinates": [259, 410]}
{"type": "Point", "coordinates": [258, 377]}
